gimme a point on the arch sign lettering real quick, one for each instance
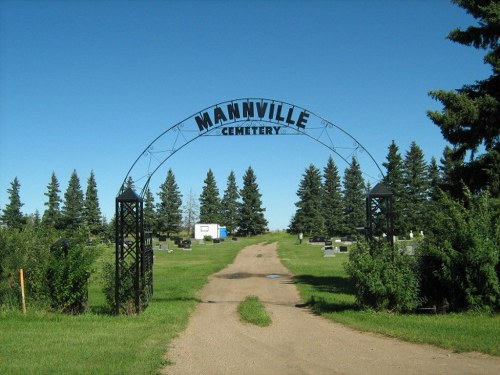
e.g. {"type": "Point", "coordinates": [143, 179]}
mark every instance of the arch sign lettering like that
{"type": "Point", "coordinates": [244, 117]}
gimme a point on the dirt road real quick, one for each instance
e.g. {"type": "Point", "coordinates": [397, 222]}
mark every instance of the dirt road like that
{"type": "Point", "coordinates": [298, 342]}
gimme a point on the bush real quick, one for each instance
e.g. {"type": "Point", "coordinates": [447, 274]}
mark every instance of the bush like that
{"type": "Point", "coordinates": [28, 249]}
{"type": "Point", "coordinates": [385, 278]}
{"type": "Point", "coordinates": [68, 273]}
{"type": "Point", "coordinates": [459, 259]}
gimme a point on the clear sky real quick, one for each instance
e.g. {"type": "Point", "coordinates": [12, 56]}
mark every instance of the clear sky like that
{"type": "Point", "coordinates": [87, 85]}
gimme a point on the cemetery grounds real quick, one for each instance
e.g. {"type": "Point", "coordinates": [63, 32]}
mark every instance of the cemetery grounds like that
{"type": "Point", "coordinates": [298, 341]}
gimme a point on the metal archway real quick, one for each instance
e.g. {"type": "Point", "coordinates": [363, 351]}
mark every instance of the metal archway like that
{"type": "Point", "coordinates": [237, 117]}
{"type": "Point", "coordinates": [240, 117]}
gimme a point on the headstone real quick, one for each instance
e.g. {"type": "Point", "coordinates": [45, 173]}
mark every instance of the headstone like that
{"type": "Point", "coordinates": [329, 253]}
{"type": "Point", "coordinates": [343, 249]}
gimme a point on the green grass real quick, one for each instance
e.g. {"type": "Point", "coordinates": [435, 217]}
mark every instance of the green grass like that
{"type": "Point", "coordinates": [324, 285]}
{"type": "Point", "coordinates": [252, 311]}
{"type": "Point", "coordinates": [98, 343]}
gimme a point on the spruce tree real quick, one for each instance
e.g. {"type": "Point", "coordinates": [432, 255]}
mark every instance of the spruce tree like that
{"type": "Point", "coordinates": [230, 204]}
{"type": "Point", "coordinates": [93, 217]}
{"type": "Point", "coordinates": [149, 211]}
{"type": "Point", "coordinates": [434, 179]}
{"type": "Point", "coordinates": [12, 216]}
{"type": "Point", "coordinates": [416, 180]}
{"type": "Point", "coordinates": [251, 219]}
{"type": "Point", "coordinates": [169, 214]}
{"type": "Point", "coordinates": [332, 199]}
{"type": "Point", "coordinates": [72, 211]}
{"type": "Point", "coordinates": [394, 182]}
{"type": "Point", "coordinates": [471, 115]}
{"type": "Point", "coordinates": [52, 214]}
{"type": "Point", "coordinates": [354, 198]}
{"type": "Point", "coordinates": [210, 204]}
{"type": "Point", "coordinates": [309, 218]}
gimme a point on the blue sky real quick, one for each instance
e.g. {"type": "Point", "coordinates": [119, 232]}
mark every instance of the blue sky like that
{"type": "Point", "coordinates": [87, 85]}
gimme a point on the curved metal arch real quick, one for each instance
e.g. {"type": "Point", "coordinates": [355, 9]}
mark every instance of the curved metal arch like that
{"type": "Point", "coordinates": [319, 132]}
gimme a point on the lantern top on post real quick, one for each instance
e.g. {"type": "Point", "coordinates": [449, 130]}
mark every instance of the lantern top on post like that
{"type": "Point", "coordinates": [380, 191]}
{"type": "Point", "coordinates": [128, 195]}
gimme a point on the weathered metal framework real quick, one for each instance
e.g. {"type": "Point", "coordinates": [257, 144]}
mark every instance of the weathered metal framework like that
{"type": "Point", "coordinates": [379, 214]}
{"type": "Point", "coordinates": [134, 255]}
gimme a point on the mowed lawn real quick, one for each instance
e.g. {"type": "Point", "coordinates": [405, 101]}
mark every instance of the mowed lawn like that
{"type": "Point", "coordinates": [326, 288]}
{"type": "Point", "coordinates": [99, 343]}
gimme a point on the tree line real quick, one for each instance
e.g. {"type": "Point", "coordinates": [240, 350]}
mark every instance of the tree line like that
{"type": "Point", "coordinates": [237, 209]}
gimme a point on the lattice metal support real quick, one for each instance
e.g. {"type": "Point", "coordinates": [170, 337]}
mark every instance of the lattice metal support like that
{"type": "Point", "coordinates": [134, 255]}
{"type": "Point", "coordinates": [379, 214]}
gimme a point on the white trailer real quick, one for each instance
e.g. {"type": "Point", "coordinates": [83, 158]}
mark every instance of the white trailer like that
{"type": "Point", "coordinates": [212, 230]}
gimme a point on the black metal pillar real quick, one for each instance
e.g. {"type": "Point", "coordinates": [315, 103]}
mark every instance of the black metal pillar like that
{"type": "Point", "coordinates": [379, 214]}
{"type": "Point", "coordinates": [134, 255]}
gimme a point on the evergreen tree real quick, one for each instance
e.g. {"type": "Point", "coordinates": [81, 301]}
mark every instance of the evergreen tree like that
{"type": "Point", "coordinates": [52, 215]}
{"type": "Point", "coordinates": [72, 211]}
{"type": "Point", "coordinates": [332, 199]}
{"type": "Point", "coordinates": [230, 204]}
{"type": "Point", "coordinates": [210, 204]}
{"type": "Point", "coordinates": [450, 169]}
{"type": "Point", "coordinates": [416, 182]}
{"type": "Point", "coordinates": [434, 179]}
{"type": "Point", "coordinates": [251, 219]}
{"type": "Point", "coordinates": [12, 215]}
{"type": "Point", "coordinates": [169, 214]}
{"type": "Point", "coordinates": [354, 198]}
{"type": "Point", "coordinates": [394, 182]}
{"type": "Point", "coordinates": [191, 213]}
{"type": "Point", "coordinates": [149, 211]}
{"type": "Point", "coordinates": [309, 218]}
{"type": "Point", "coordinates": [93, 217]}
{"type": "Point", "coordinates": [471, 115]}
{"type": "Point", "coordinates": [129, 184]}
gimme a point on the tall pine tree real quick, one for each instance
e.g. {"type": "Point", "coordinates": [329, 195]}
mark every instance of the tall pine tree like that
{"type": "Point", "coordinates": [309, 218]}
{"type": "Point", "coordinates": [416, 180]}
{"type": "Point", "coordinates": [332, 199]}
{"type": "Point", "coordinates": [210, 205]}
{"type": "Point", "coordinates": [354, 198]}
{"type": "Point", "coordinates": [92, 210]}
{"type": "Point", "coordinates": [149, 211]}
{"type": "Point", "coordinates": [169, 213]}
{"type": "Point", "coordinates": [230, 204]}
{"type": "Point", "coordinates": [72, 211]}
{"type": "Point", "coordinates": [394, 182]}
{"type": "Point", "coordinates": [12, 216]}
{"type": "Point", "coordinates": [471, 115]}
{"type": "Point", "coordinates": [52, 214]}
{"type": "Point", "coordinates": [251, 219]}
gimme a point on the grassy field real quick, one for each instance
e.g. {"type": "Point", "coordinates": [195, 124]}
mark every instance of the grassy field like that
{"type": "Point", "coordinates": [98, 343]}
{"type": "Point", "coordinates": [325, 287]}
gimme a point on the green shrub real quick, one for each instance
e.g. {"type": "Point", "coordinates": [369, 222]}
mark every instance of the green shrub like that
{"type": "Point", "coordinates": [459, 259]}
{"type": "Point", "coordinates": [385, 278]}
{"type": "Point", "coordinates": [29, 249]}
{"type": "Point", "coordinates": [68, 273]}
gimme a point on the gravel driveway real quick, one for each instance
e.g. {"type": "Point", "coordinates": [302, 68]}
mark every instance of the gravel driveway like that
{"type": "Point", "coordinates": [297, 342]}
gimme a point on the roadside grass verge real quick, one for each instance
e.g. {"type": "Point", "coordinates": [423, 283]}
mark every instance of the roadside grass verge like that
{"type": "Point", "coordinates": [252, 311]}
{"type": "Point", "coordinates": [325, 287]}
{"type": "Point", "coordinates": [99, 343]}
